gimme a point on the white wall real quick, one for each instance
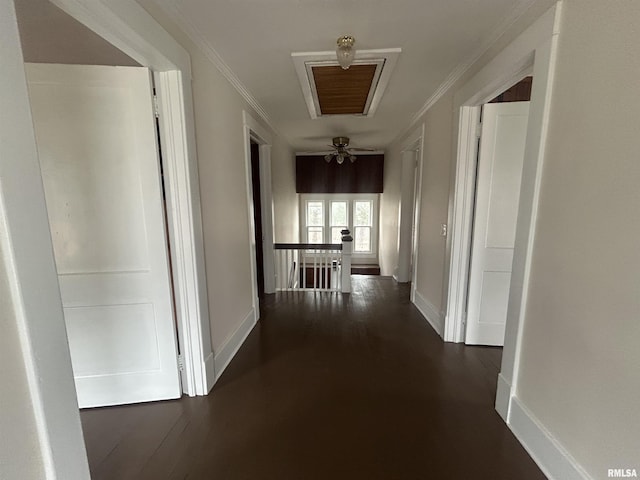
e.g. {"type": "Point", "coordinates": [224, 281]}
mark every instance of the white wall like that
{"type": "Point", "coordinates": [218, 111]}
{"type": "Point", "coordinates": [20, 454]}
{"type": "Point", "coordinates": [580, 359]}
{"type": "Point", "coordinates": [285, 198]}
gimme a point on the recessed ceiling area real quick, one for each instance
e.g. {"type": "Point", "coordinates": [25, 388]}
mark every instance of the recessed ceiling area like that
{"type": "Point", "coordinates": [256, 41]}
{"type": "Point", "coordinates": [329, 90]}
{"type": "Point", "coordinates": [343, 92]}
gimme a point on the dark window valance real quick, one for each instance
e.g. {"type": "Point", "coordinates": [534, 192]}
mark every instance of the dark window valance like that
{"type": "Point", "coordinates": [315, 175]}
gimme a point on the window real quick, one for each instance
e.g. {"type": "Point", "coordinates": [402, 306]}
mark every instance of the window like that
{"type": "Point", "coordinates": [338, 220]}
{"type": "Point", "coordinates": [315, 222]}
{"type": "Point", "coordinates": [363, 222]}
{"type": "Point", "coordinates": [326, 215]}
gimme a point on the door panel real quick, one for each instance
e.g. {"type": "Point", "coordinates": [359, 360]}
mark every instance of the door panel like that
{"type": "Point", "coordinates": [95, 131]}
{"type": "Point", "coordinates": [502, 141]}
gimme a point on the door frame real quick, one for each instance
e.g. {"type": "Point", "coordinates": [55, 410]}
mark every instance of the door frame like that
{"type": "Point", "coordinates": [406, 224]}
{"type": "Point", "coordinates": [477, 143]}
{"type": "Point", "coordinates": [127, 26]}
{"type": "Point", "coordinates": [532, 52]}
{"type": "Point", "coordinates": [415, 142]}
{"type": "Point", "coordinates": [252, 130]}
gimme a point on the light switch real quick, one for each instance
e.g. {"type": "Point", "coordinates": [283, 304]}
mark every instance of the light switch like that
{"type": "Point", "coordinates": [443, 229]}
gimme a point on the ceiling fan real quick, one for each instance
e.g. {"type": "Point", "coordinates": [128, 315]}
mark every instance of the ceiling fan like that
{"type": "Point", "coordinates": [342, 150]}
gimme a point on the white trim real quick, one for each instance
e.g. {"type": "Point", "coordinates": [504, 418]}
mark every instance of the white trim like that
{"type": "Point", "coordinates": [406, 219]}
{"type": "Point", "coordinates": [537, 47]}
{"type": "Point", "coordinates": [199, 39]}
{"type": "Point", "coordinates": [130, 28]}
{"type": "Point", "coordinates": [210, 370]}
{"type": "Point", "coordinates": [233, 343]}
{"type": "Point", "coordinates": [429, 312]}
{"type": "Point", "coordinates": [27, 250]}
{"type": "Point", "coordinates": [185, 228]}
{"type": "Point", "coordinates": [550, 455]}
{"type": "Point", "coordinates": [503, 397]}
{"type": "Point", "coordinates": [460, 225]}
{"type": "Point", "coordinates": [416, 141]}
{"type": "Point", "coordinates": [267, 207]}
{"type": "Point", "coordinates": [544, 71]}
{"type": "Point", "coordinates": [385, 59]}
{"type": "Point", "coordinates": [507, 21]}
{"type": "Point", "coordinates": [252, 130]}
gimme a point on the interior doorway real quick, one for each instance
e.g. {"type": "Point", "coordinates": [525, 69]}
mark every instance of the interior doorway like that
{"type": "Point", "coordinates": [533, 53]}
{"type": "Point", "coordinates": [257, 154]}
{"type": "Point", "coordinates": [99, 158]}
{"type": "Point", "coordinates": [502, 134]}
{"type": "Point", "coordinates": [407, 221]}
{"type": "Point", "coordinates": [24, 212]}
{"type": "Point", "coordinates": [257, 217]}
{"type": "Point", "coordinates": [499, 170]}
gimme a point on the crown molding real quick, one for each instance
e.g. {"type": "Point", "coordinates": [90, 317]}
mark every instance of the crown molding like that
{"type": "Point", "coordinates": [198, 38]}
{"type": "Point", "coordinates": [507, 21]}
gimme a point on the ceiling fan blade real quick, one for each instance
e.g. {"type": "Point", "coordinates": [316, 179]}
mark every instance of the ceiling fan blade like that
{"type": "Point", "coordinates": [356, 149]}
{"type": "Point", "coordinates": [312, 152]}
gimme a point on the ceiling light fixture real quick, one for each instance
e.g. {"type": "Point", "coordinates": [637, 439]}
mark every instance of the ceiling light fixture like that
{"type": "Point", "coordinates": [345, 51]}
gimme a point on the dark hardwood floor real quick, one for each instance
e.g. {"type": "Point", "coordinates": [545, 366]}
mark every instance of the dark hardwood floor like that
{"type": "Point", "coordinates": [325, 387]}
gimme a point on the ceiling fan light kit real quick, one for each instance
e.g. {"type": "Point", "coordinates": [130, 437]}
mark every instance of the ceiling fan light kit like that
{"type": "Point", "coordinates": [345, 51]}
{"type": "Point", "coordinates": [342, 151]}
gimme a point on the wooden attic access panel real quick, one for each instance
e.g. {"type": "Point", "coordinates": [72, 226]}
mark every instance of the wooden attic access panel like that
{"type": "Point", "coordinates": [343, 92]}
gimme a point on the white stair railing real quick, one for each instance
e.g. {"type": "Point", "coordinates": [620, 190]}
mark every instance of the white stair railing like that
{"type": "Point", "coordinates": [313, 266]}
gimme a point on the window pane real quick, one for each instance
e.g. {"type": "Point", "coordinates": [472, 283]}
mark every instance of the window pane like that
{"type": "Point", "coordinates": [314, 235]}
{"type": "Point", "coordinates": [338, 214]}
{"type": "Point", "coordinates": [362, 213]}
{"type": "Point", "coordinates": [336, 236]}
{"type": "Point", "coordinates": [315, 214]}
{"type": "Point", "coordinates": [362, 240]}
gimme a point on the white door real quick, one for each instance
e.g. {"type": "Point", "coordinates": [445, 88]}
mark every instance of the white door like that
{"type": "Point", "coordinates": [502, 140]}
{"type": "Point", "coordinates": [95, 130]}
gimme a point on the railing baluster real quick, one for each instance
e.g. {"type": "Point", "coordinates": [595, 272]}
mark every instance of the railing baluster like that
{"type": "Point", "coordinates": [278, 274]}
{"type": "Point", "coordinates": [304, 268]}
{"type": "Point", "coordinates": [324, 271]}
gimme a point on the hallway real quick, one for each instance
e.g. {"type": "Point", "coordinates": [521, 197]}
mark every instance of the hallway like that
{"type": "Point", "coordinates": [325, 387]}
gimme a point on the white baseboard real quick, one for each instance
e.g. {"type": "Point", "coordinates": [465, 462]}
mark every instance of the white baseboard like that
{"type": "Point", "coordinates": [552, 458]}
{"type": "Point", "coordinates": [209, 372]}
{"type": "Point", "coordinates": [233, 344]}
{"type": "Point", "coordinates": [503, 397]}
{"type": "Point", "coordinates": [430, 312]}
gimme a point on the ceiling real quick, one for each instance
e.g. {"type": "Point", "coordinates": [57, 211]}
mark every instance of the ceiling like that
{"type": "Point", "coordinates": [255, 39]}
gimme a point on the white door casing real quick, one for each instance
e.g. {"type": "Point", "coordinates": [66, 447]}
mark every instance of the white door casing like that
{"type": "Point", "coordinates": [500, 160]}
{"type": "Point", "coordinates": [97, 144]}
{"type": "Point", "coordinates": [406, 223]}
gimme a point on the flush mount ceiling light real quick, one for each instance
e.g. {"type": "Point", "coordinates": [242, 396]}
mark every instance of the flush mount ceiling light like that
{"type": "Point", "coordinates": [345, 51]}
